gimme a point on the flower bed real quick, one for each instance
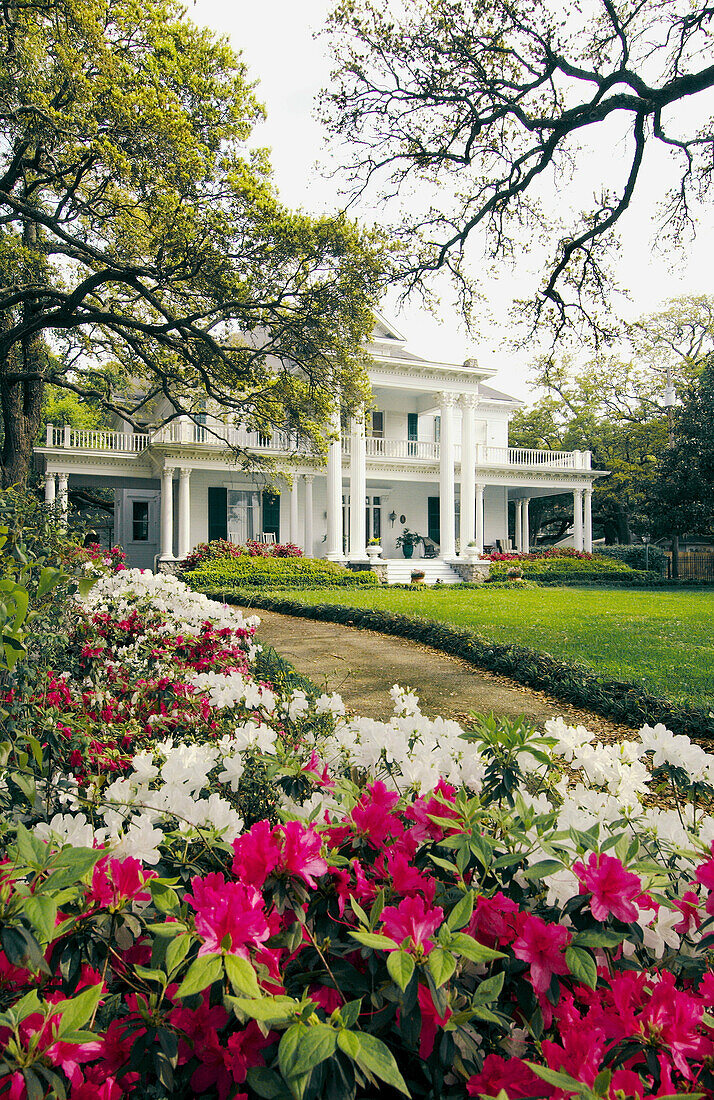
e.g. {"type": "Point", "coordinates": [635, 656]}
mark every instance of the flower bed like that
{"type": "Point", "coordinates": [251, 572]}
{"type": "Point", "coordinates": [222, 548]}
{"type": "Point", "coordinates": [423, 911]}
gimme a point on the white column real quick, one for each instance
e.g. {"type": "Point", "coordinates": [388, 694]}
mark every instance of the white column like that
{"type": "Point", "coordinates": [588, 540]}
{"type": "Point", "coordinates": [167, 514]}
{"type": "Point", "coordinates": [334, 491]}
{"type": "Point", "coordinates": [518, 530]}
{"type": "Point", "coordinates": [309, 547]}
{"type": "Point", "coordinates": [50, 488]}
{"type": "Point", "coordinates": [447, 506]}
{"type": "Point", "coordinates": [526, 540]}
{"type": "Point", "coordinates": [294, 513]}
{"type": "Point", "coordinates": [358, 491]}
{"type": "Point", "coordinates": [469, 507]}
{"type": "Point", "coordinates": [63, 497]}
{"type": "Point", "coordinates": [479, 517]}
{"type": "Point", "coordinates": [184, 512]}
{"type": "Point", "coordinates": [578, 518]}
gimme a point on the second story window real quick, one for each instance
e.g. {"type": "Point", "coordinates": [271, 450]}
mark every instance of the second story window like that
{"type": "Point", "coordinates": [377, 427]}
{"type": "Point", "coordinates": [437, 429]}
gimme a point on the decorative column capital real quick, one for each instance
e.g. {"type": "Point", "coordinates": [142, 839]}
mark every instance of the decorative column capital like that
{"type": "Point", "coordinates": [469, 400]}
{"type": "Point", "coordinates": [308, 478]}
{"type": "Point", "coordinates": [479, 486]}
{"type": "Point", "coordinates": [448, 399]}
{"type": "Point", "coordinates": [588, 490]}
{"type": "Point", "coordinates": [578, 492]}
{"type": "Point", "coordinates": [184, 471]}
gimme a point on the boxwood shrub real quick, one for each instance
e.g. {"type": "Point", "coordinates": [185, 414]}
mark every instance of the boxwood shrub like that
{"type": "Point", "coordinates": [638, 557]}
{"type": "Point", "coordinates": [620, 699]}
{"type": "Point", "coordinates": [561, 566]}
{"type": "Point", "coordinates": [250, 572]}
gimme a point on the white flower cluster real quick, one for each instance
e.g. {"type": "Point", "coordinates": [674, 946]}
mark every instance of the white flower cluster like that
{"type": "Point", "coordinates": [231, 689]}
{"type": "Point", "coordinates": [415, 750]}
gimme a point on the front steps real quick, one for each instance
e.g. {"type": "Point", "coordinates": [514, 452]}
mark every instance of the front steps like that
{"type": "Point", "coordinates": [399, 570]}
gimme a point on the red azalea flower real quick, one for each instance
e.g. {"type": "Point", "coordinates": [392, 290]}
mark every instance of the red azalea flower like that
{"type": "Point", "coordinates": [412, 919]}
{"type": "Point", "coordinates": [301, 852]}
{"type": "Point", "coordinates": [613, 888]}
{"type": "Point", "coordinates": [116, 881]}
{"type": "Point", "coordinates": [542, 946]}
{"type": "Point", "coordinates": [510, 1074]}
{"type": "Point", "coordinates": [256, 854]}
{"type": "Point", "coordinates": [373, 814]}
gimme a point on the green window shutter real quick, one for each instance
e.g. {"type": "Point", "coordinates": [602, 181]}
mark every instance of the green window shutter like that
{"type": "Point", "coordinates": [217, 513]}
{"type": "Point", "coordinates": [412, 426]}
{"type": "Point", "coordinates": [271, 514]}
{"type": "Point", "coordinates": [433, 519]}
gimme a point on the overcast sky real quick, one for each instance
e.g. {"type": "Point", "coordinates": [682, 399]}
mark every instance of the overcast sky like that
{"type": "Point", "coordinates": [276, 40]}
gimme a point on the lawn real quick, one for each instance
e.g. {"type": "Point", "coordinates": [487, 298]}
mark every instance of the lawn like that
{"type": "Point", "coordinates": [663, 640]}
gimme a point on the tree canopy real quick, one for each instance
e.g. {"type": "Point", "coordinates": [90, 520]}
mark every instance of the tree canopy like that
{"type": "Point", "coordinates": [488, 109]}
{"type": "Point", "coordinates": [142, 246]}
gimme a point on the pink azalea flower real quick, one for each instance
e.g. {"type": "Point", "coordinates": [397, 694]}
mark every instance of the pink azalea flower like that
{"type": "Point", "coordinates": [373, 814]}
{"type": "Point", "coordinates": [672, 1019]}
{"type": "Point", "coordinates": [689, 908]}
{"type": "Point", "coordinates": [510, 1074]}
{"type": "Point", "coordinates": [493, 920]}
{"type": "Point", "coordinates": [406, 879]}
{"type": "Point", "coordinates": [613, 888]}
{"type": "Point", "coordinates": [229, 915]}
{"type": "Point", "coordinates": [256, 854]}
{"type": "Point", "coordinates": [705, 875]}
{"type": "Point", "coordinates": [542, 946]}
{"type": "Point", "coordinates": [301, 852]}
{"type": "Point", "coordinates": [412, 919]}
{"type": "Point", "coordinates": [431, 1021]}
{"type": "Point", "coordinates": [116, 881]}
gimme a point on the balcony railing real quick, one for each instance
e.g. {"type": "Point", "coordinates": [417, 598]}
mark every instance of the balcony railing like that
{"type": "Point", "coordinates": [219, 436]}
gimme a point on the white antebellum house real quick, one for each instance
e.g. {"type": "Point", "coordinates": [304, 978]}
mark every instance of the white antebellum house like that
{"type": "Point", "coordinates": [431, 455]}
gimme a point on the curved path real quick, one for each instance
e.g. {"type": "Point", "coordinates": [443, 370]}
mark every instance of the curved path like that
{"type": "Point", "coordinates": [362, 666]}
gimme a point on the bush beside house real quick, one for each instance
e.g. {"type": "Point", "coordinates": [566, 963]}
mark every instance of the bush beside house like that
{"type": "Point", "coordinates": [260, 572]}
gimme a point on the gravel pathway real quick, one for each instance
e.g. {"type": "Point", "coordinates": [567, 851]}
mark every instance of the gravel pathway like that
{"type": "Point", "coordinates": [362, 666]}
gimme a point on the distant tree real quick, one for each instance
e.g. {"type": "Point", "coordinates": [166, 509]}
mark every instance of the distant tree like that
{"type": "Point", "coordinates": [143, 251]}
{"type": "Point", "coordinates": [683, 492]}
{"type": "Point", "coordinates": [487, 108]}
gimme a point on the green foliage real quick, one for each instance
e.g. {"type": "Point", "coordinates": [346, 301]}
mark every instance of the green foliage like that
{"type": "Point", "coordinates": [534, 568]}
{"type": "Point", "coordinates": [649, 558]}
{"type": "Point", "coordinates": [249, 572]}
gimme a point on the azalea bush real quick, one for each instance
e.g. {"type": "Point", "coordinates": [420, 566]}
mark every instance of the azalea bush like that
{"type": "Point", "coordinates": [247, 572]}
{"type": "Point", "coordinates": [423, 909]}
{"type": "Point", "coordinates": [223, 548]}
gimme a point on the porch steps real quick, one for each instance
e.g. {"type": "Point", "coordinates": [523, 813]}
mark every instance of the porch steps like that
{"type": "Point", "coordinates": [399, 571]}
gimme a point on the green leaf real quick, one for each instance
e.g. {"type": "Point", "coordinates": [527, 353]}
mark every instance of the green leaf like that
{"type": "Point", "coordinates": [269, 1010]}
{"type": "Point", "coordinates": [348, 1042]}
{"type": "Point", "coordinates": [400, 965]}
{"type": "Point", "coordinates": [471, 949]}
{"type": "Point", "coordinates": [203, 972]}
{"type": "Point", "coordinates": [76, 1012]}
{"type": "Point", "coordinates": [560, 1080]}
{"type": "Point", "coordinates": [310, 1046]}
{"type": "Point", "coordinates": [359, 912]}
{"type": "Point", "coordinates": [488, 990]}
{"type": "Point", "coordinates": [581, 965]}
{"type": "Point", "coordinates": [349, 1013]}
{"type": "Point", "coordinates": [543, 869]}
{"type": "Point", "coordinates": [375, 1056]}
{"type": "Point", "coordinates": [266, 1083]}
{"type": "Point", "coordinates": [41, 911]}
{"type": "Point", "coordinates": [164, 898]}
{"type": "Point", "coordinates": [442, 964]}
{"type": "Point", "coordinates": [176, 952]}
{"type": "Point", "coordinates": [595, 939]}
{"type": "Point", "coordinates": [242, 976]}
{"type": "Point", "coordinates": [49, 578]}
{"type": "Point", "coordinates": [374, 939]}
{"type": "Point", "coordinates": [460, 915]}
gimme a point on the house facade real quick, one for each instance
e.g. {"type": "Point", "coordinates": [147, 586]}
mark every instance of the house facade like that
{"type": "Point", "coordinates": [431, 455]}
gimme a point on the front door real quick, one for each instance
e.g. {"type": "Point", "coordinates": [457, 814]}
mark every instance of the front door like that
{"type": "Point", "coordinates": [138, 523]}
{"type": "Point", "coordinates": [434, 519]}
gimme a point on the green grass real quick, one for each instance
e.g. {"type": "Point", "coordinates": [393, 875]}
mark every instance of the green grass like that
{"type": "Point", "coordinates": [662, 640]}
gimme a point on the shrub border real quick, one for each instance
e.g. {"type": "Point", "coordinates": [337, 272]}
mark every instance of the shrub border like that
{"type": "Point", "coordinates": [567, 681]}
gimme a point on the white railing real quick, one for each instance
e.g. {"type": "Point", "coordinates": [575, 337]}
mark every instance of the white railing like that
{"type": "Point", "coordinates": [95, 439]}
{"type": "Point", "coordinates": [530, 456]}
{"type": "Point", "coordinates": [402, 448]}
{"type": "Point", "coordinates": [220, 435]}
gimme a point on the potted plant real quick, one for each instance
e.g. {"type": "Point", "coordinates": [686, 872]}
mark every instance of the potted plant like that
{"type": "Point", "coordinates": [408, 540]}
{"type": "Point", "coordinates": [374, 549]}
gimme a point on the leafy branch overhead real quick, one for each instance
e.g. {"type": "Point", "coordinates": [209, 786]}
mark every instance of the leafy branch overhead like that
{"type": "Point", "coordinates": [491, 108]}
{"type": "Point", "coordinates": [143, 249]}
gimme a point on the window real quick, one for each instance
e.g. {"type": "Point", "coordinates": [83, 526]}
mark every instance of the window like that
{"type": "Point", "coordinates": [373, 517]}
{"type": "Point", "coordinates": [377, 431]}
{"type": "Point", "coordinates": [437, 429]}
{"type": "Point", "coordinates": [412, 433]}
{"type": "Point", "coordinates": [243, 515]}
{"type": "Point", "coordinates": [140, 520]}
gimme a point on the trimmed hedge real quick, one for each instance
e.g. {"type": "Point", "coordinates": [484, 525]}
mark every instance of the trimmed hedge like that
{"type": "Point", "coordinates": [619, 699]}
{"type": "Point", "coordinates": [275, 573]}
{"type": "Point", "coordinates": [638, 557]}
{"type": "Point", "coordinates": [561, 566]}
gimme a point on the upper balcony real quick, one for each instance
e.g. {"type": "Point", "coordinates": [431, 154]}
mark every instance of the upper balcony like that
{"type": "Point", "coordinates": [419, 452]}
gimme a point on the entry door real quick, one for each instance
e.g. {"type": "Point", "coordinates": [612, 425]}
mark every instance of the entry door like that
{"type": "Point", "coordinates": [140, 527]}
{"type": "Point", "coordinates": [434, 519]}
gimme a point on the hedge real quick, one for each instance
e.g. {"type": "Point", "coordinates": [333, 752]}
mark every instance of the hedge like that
{"type": "Point", "coordinates": [562, 566]}
{"type": "Point", "coordinates": [638, 557]}
{"type": "Point", "coordinates": [275, 573]}
{"type": "Point", "coordinates": [619, 699]}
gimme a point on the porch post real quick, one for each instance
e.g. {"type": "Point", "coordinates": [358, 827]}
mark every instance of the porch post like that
{"type": "Point", "coordinates": [518, 528]}
{"type": "Point", "coordinates": [184, 511]}
{"type": "Point", "coordinates": [50, 488]}
{"type": "Point", "coordinates": [447, 505]}
{"type": "Point", "coordinates": [578, 518]}
{"type": "Point", "coordinates": [167, 514]}
{"type": "Point", "coordinates": [358, 491]}
{"type": "Point", "coordinates": [526, 541]}
{"type": "Point", "coordinates": [294, 512]}
{"type": "Point", "coordinates": [479, 517]}
{"type": "Point", "coordinates": [469, 506]}
{"type": "Point", "coordinates": [63, 494]}
{"type": "Point", "coordinates": [334, 489]}
{"type": "Point", "coordinates": [588, 497]}
{"type": "Point", "coordinates": [309, 547]}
